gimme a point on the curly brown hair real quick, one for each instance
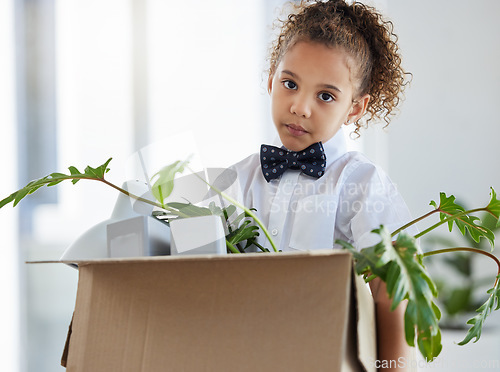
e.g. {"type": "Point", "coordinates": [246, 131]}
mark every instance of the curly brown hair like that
{"type": "Point", "coordinates": [367, 38]}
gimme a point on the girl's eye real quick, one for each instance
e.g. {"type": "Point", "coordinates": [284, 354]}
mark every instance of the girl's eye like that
{"type": "Point", "coordinates": [325, 97]}
{"type": "Point", "coordinates": [290, 84]}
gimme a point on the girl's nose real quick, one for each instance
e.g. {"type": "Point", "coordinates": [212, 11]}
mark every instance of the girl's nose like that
{"type": "Point", "coordinates": [301, 107]}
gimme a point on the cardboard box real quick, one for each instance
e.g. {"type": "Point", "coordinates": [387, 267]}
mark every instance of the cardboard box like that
{"type": "Point", "coordinates": [249, 312]}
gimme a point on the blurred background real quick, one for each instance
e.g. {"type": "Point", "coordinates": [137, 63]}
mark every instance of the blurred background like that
{"type": "Point", "coordinates": [82, 81]}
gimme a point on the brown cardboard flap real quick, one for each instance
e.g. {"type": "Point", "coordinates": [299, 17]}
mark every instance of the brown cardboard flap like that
{"type": "Point", "coordinates": [64, 358]}
{"type": "Point", "coordinates": [366, 325]}
{"type": "Point", "coordinates": [255, 312]}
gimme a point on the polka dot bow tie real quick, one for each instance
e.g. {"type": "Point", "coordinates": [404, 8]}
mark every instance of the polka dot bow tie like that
{"type": "Point", "coordinates": [275, 161]}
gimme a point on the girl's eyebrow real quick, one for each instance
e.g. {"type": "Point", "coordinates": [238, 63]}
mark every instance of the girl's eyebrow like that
{"type": "Point", "coordinates": [295, 76]}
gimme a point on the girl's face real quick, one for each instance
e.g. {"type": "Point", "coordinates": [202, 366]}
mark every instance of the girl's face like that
{"type": "Point", "coordinates": [312, 95]}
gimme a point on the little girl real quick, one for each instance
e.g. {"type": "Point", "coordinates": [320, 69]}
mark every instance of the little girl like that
{"type": "Point", "coordinates": [333, 64]}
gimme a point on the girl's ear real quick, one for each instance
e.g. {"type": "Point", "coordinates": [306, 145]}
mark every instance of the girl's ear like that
{"type": "Point", "coordinates": [358, 109]}
{"type": "Point", "coordinates": [270, 84]}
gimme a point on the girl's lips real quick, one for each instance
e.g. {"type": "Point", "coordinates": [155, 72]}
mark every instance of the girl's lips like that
{"type": "Point", "coordinates": [295, 130]}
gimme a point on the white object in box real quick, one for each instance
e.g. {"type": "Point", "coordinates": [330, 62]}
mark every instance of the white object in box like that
{"type": "Point", "coordinates": [197, 235]}
{"type": "Point", "coordinates": [136, 237]}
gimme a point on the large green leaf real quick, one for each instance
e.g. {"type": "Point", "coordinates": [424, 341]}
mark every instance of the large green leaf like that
{"type": "Point", "coordinates": [164, 183]}
{"type": "Point", "coordinates": [246, 231]}
{"type": "Point", "coordinates": [417, 317]}
{"type": "Point", "coordinates": [228, 211]}
{"type": "Point", "coordinates": [56, 178]}
{"type": "Point", "coordinates": [408, 279]}
{"type": "Point", "coordinates": [185, 210]}
{"type": "Point", "coordinates": [398, 264]}
{"type": "Point", "coordinates": [465, 222]}
{"type": "Point", "coordinates": [494, 206]}
{"type": "Point", "coordinates": [99, 171]}
{"type": "Point", "coordinates": [371, 260]}
{"type": "Point", "coordinates": [492, 303]}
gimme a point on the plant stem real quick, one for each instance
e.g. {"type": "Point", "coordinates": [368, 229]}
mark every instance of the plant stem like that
{"type": "Point", "coordinates": [370, 278]}
{"type": "Point", "coordinates": [250, 213]}
{"type": "Point", "coordinates": [261, 247]}
{"type": "Point", "coordinates": [232, 248]}
{"type": "Point", "coordinates": [451, 218]}
{"type": "Point", "coordinates": [414, 222]}
{"type": "Point", "coordinates": [465, 249]}
{"type": "Point", "coordinates": [129, 194]}
{"type": "Point", "coordinates": [138, 198]}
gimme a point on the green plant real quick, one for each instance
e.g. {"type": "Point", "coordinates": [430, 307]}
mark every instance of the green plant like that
{"type": "Point", "coordinates": [240, 228]}
{"type": "Point", "coordinates": [400, 265]}
{"type": "Point", "coordinates": [461, 286]}
{"type": "Point", "coordinates": [396, 259]}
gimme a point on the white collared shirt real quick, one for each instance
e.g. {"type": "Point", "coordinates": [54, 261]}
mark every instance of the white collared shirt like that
{"type": "Point", "coordinates": [303, 213]}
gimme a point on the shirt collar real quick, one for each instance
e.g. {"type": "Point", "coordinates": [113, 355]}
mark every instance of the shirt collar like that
{"type": "Point", "coordinates": [334, 148]}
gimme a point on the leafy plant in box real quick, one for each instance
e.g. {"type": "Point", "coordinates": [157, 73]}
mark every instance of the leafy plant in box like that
{"type": "Point", "coordinates": [396, 259]}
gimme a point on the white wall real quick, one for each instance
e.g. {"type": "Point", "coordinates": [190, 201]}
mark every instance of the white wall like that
{"type": "Point", "coordinates": [446, 138]}
{"type": "Point", "coordinates": [205, 63]}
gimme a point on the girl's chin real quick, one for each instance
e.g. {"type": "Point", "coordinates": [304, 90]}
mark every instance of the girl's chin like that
{"type": "Point", "coordinates": [296, 144]}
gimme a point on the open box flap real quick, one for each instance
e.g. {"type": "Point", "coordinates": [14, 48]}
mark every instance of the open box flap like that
{"type": "Point", "coordinates": [365, 324]}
